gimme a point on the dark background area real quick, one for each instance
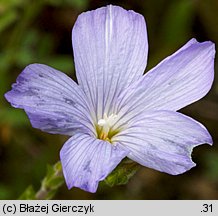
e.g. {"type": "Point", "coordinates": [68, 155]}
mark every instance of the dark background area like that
{"type": "Point", "coordinates": [40, 32]}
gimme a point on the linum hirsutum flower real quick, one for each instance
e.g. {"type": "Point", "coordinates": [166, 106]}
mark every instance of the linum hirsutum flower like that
{"type": "Point", "coordinates": [115, 111]}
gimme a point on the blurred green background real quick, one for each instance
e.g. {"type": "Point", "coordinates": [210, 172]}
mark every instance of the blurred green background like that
{"type": "Point", "coordinates": [40, 32]}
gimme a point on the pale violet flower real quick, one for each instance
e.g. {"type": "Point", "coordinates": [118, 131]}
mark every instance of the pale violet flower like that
{"type": "Point", "coordinates": [115, 111]}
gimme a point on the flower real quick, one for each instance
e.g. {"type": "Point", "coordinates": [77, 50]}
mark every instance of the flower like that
{"type": "Point", "coordinates": [116, 111]}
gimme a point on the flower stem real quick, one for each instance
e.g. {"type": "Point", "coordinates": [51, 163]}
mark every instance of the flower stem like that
{"type": "Point", "coordinates": [54, 180]}
{"type": "Point", "coordinates": [50, 184]}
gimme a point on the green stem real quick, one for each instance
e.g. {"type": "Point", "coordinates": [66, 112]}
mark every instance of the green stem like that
{"type": "Point", "coordinates": [50, 184]}
{"type": "Point", "coordinates": [54, 180]}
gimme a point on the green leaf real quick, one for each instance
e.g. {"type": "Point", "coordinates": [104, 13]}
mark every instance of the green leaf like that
{"type": "Point", "coordinates": [50, 184]}
{"type": "Point", "coordinates": [52, 181]}
{"type": "Point", "coordinates": [122, 174]}
{"type": "Point", "coordinates": [54, 178]}
{"type": "Point", "coordinates": [51, 194]}
{"type": "Point", "coordinates": [28, 194]}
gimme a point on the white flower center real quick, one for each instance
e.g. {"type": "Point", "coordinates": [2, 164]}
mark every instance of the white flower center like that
{"type": "Point", "coordinates": [106, 123]}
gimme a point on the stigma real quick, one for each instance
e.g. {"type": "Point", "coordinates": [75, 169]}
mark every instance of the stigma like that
{"type": "Point", "coordinates": [105, 125]}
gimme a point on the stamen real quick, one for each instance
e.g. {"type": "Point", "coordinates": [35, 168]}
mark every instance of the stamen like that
{"type": "Point", "coordinates": [105, 125]}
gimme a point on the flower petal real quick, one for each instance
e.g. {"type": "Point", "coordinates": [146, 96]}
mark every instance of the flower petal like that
{"type": "Point", "coordinates": [110, 52]}
{"type": "Point", "coordinates": [87, 160]}
{"type": "Point", "coordinates": [163, 140]}
{"type": "Point", "coordinates": [53, 101]}
{"type": "Point", "coordinates": [176, 82]}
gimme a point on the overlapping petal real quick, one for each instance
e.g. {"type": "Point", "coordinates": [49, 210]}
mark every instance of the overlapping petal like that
{"type": "Point", "coordinates": [53, 101]}
{"type": "Point", "coordinates": [110, 52]}
{"type": "Point", "coordinates": [163, 140]}
{"type": "Point", "coordinates": [87, 160]}
{"type": "Point", "coordinates": [177, 81]}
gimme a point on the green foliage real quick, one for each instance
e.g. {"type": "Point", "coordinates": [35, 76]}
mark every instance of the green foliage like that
{"type": "Point", "coordinates": [38, 31]}
{"type": "Point", "coordinates": [28, 194]}
{"type": "Point", "coordinates": [54, 178]}
{"type": "Point", "coordinates": [122, 174]}
{"type": "Point", "coordinates": [52, 181]}
{"type": "Point", "coordinates": [50, 184]}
